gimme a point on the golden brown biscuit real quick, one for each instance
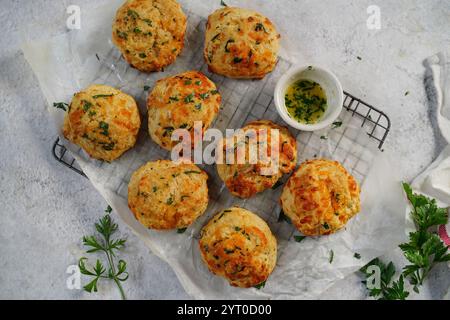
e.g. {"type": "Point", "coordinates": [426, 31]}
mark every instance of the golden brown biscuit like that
{"type": "Point", "coordinates": [149, 33]}
{"type": "Point", "coordinates": [165, 195]}
{"type": "Point", "coordinates": [238, 245]}
{"type": "Point", "coordinates": [320, 197]}
{"type": "Point", "coordinates": [177, 102]}
{"type": "Point", "coordinates": [103, 121]}
{"type": "Point", "coordinates": [240, 43]}
{"type": "Point", "coordinates": [246, 179]}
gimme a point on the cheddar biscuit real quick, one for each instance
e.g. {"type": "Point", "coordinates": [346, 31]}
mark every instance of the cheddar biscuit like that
{"type": "Point", "coordinates": [240, 43]}
{"type": "Point", "coordinates": [238, 245]}
{"type": "Point", "coordinates": [320, 197]}
{"type": "Point", "coordinates": [103, 121]}
{"type": "Point", "coordinates": [149, 33]}
{"type": "Point", "coordinates": [165, 195]}
{"type": "Point", "coordinates": [246, 178]}
{"type": "Point", "coordinates": [179, 101]}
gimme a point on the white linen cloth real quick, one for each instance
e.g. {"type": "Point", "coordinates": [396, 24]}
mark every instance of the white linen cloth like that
{"type": "Point", "coordinates": [435, 180]}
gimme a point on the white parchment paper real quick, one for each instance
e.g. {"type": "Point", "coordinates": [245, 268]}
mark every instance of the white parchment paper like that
{"type": "Point", "coordinates": [71, 61]}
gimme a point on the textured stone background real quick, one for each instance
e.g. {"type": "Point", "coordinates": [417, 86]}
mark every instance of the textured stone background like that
{"type": "Point", "coordinates": [46, 209]}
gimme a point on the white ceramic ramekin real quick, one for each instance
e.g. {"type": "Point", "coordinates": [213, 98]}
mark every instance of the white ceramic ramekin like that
{"type": "Point", "coordinates": [329, 83]}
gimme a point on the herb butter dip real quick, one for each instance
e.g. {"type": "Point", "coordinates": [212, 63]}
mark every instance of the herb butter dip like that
{"type": "Point", "coordinates": [305, 101]}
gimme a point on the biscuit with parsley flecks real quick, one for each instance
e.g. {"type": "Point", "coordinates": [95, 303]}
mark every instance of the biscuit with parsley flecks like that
{"type": "Point", "coordinates": [246, 178]}
{"type": "Point", "coordinates": [320, 197]}
{"type": "Point", "coordinates": [240, 43]}
{"type": "Point", "coordinates": [238, 245]}
{"type": "Point", "coordinates": [149, 33]}
{"type": "Point", "coordinates": [103, 121]}
{"type": "Point", "coordinates": [177, 102]}
{"type": "Point", "coordinates": [166, 195]}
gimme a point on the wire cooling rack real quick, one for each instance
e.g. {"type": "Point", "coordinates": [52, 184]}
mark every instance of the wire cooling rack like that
{"type": "Point", "coordinates": [60, 153]}
{"type": "Point", "coordinates": [375, 122]}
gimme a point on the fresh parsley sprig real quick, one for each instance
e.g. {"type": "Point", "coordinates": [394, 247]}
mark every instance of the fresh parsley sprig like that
{"type": "Point", "coordinates": [425, 211]}
{"type": "Point", "coordinates": [118, 273]}
{"type": "Point", "coordinates": [388, 290]}
{"type": "Point", "coordinates": [423, 251]}
{"type": "Point", "coordinates": [424, 248]}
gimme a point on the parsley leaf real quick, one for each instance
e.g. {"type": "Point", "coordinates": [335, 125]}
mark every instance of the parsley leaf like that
{"type": "Point", "coordinates": [299, 238]}
{"type": "Point", "coordinates": [122, 35]}
{"type": "Point", "coordinates": [102, 96]}
{"type": "Point", "coordinates": [189, 98]}
{"type": "Point", "coordinates": [204, 96]}
{"type": "Point", "coordinates": [169, 200]}
{"type": "Point", "coordinates": [105, 127]}
{"type": "Point", "coordinates": [336, 124]}
{"type": "Point", "coordinates": [237, 59]}
{"type": "Point", "coordinates": [396, 291]}
{"type": "Point", "coordinates": [388, 290]}
{"type": "Point", "coordinates": [133, 14]}
{"type": "Point", "coordinates": [106, 228]}
{"type": "Point", "coordinates": [86, 105]}
{"type": "Point", "coordinates": [174, 98]}
{"type": "Point", "coordinates": [425, 210]}
{"type": "Point", "coordinates": [60, 105]}
{"type": "Point", "coordinates": [168, 131]}
{"type": "Point", "coordinates": [260, 285]}
{"type": "Point", "coordinates": [260, 27]}
{"type": "Point", "coordinates": [423, 251]}
{"type": "Point", "coordinates": [192, 172]}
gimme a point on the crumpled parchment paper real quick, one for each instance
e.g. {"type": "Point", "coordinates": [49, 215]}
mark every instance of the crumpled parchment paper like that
{"type": "Point", "coordinates": [68, 62]}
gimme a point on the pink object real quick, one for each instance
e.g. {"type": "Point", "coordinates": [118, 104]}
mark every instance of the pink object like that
{"type": "Point", "coordinates": [443, 233]}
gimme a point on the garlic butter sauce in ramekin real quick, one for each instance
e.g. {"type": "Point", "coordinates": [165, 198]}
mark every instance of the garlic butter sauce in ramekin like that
{"type": "Point", "coordinates": [326, 103]}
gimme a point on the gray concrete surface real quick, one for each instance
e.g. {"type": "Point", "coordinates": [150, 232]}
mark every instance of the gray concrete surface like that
{"type": "Point", "coordinates": [46, 209]}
